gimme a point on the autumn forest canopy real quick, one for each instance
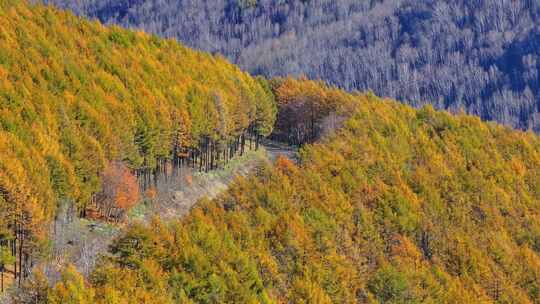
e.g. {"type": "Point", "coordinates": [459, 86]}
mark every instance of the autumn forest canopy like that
{"type": "Point", "coordinates": [77, 96]}
{"type": "Point", "coordinates": [384, 203]}
{"type": "Point", "coordinates": [481, 56]}
{"type": "Point", "coordinates": [397, 206]}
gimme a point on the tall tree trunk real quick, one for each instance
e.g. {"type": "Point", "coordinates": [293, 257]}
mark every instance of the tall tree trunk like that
{"type": "Point", "coordinates": [212, 156]}
{"type": "Point", "coordinates": [21, 243]}
{"type": "Point", "coordinates": [243, 143]}
{"type": "Point", "coordinates": [14, 253]}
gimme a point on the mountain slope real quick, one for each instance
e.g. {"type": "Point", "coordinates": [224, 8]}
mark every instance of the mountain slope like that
{"type": "Point", "coordinates": [77, 97]}
{"type": "Point", "coordinates": [481, 56]}
{"type": "Point", "coordinates": [397, 206]}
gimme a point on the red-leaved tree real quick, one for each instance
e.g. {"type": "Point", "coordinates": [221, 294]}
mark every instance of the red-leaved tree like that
{"type": "Point", "coordinates": [120, 192]}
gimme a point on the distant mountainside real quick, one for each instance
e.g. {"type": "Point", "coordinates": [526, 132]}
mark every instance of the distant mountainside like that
{"type": "Point", "coordinates": [481, 56]}
{"type": "Point", "coordinates": [397, 206]}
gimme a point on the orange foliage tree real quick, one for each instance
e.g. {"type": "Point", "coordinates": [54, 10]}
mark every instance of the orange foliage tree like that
{"type": "Point", "coordinates": [120, 191]}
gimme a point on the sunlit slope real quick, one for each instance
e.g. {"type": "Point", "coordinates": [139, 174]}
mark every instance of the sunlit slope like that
{"type": "Point", "coordinates": [75, 95]}
{"type": "Point", "coordinates": [399, 206]}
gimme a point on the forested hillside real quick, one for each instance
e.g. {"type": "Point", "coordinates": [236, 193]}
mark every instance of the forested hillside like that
{"type": "Point", "coordinates": [481, 56]}
{"type": "Point", "coordinates": [86, 111]}
{"type": "Point", "coordinates": [385, 203]}
{"type": "Point", "coordinates": [397, 206]}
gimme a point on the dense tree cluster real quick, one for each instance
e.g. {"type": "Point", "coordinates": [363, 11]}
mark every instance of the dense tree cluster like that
{"type": "Point", "coordinates": [307, 110]}
{"type": "Point", "coordinates": [77, 97]}
{"type": "Point", "coordinates": [481, 56]}
{"type": "Point", "coordinates": [397, 206]}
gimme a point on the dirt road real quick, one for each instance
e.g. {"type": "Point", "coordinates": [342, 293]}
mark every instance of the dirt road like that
{"type": "Point", "coordinates": [80, 242]}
